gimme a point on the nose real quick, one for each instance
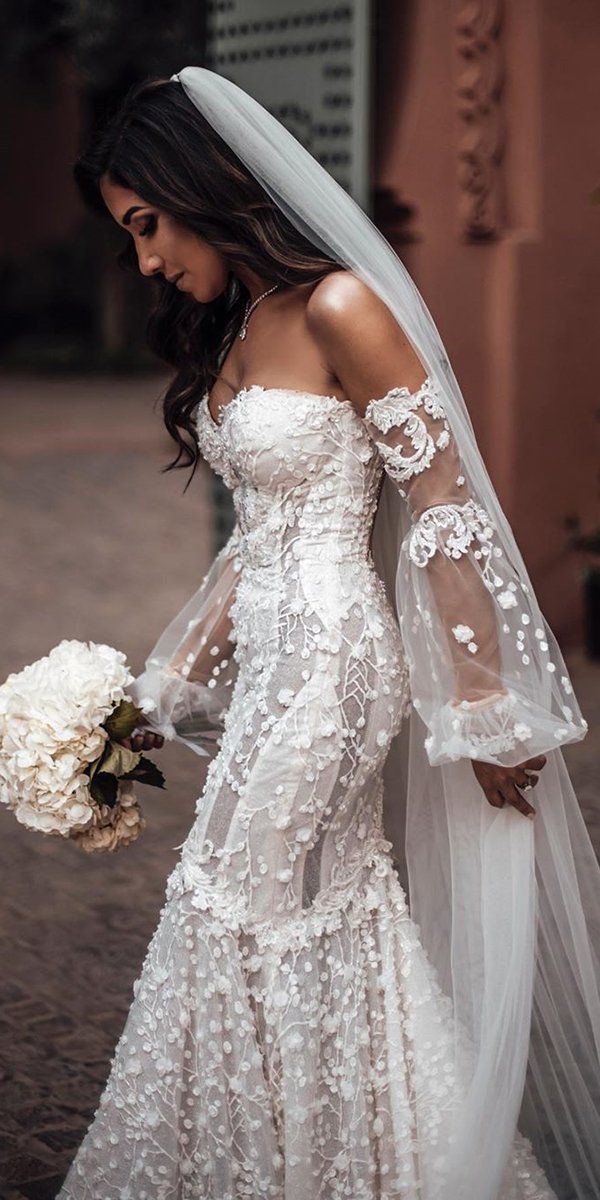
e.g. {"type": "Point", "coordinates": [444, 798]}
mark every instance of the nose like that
{"type": "Point", "coordinates": [150, 264]}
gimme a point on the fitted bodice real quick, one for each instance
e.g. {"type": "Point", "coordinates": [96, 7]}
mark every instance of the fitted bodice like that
{"type": "Point", "coordinates": [303, 472]}
{"type": "Point", "coordinates": [322, 684]}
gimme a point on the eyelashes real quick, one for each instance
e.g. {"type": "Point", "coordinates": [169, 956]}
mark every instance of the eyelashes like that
{"type": "Point", "coordinates": [149, 227]}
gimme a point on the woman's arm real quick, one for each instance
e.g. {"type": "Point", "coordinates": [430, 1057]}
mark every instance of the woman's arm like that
{"type": "Point", "coordinates": [448, 552]}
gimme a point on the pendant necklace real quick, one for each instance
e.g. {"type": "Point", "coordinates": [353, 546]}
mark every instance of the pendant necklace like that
{"type": "Point", "coordinates": [250, 307]}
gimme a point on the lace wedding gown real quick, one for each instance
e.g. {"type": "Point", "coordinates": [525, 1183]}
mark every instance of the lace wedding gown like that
{"type": "Point", "coordinates": [287, 1036]}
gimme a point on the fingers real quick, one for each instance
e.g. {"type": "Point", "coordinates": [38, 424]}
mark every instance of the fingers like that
{"type": "Point", "coordinates": [495, 799]}
{"type": "Point", "coordinates": [147, 741]}
{"type": "Point", "coordinates": [525, 779]}
{"type": "Point", "coordinates": [509, 790]}
{"type": "Point", "coordinates": [143, 741]}
{"type": "Point", "coordinates": [535, 763]}
{"type": "Point", "coordinates": [505, 785]}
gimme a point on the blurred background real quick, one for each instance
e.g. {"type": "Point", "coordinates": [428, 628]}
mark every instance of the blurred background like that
{"type": "Point", "coordinates": [467, 129]}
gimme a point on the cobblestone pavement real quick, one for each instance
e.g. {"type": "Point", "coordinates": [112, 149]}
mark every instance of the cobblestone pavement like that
{"type": "Point", "coordinates": [96, 543]}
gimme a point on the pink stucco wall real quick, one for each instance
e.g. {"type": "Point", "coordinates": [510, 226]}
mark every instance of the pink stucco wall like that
{"type": "Point", "coordinates": [518, 84]}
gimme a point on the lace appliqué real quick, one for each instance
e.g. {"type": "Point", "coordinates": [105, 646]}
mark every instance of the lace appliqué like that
{"type": "Point", "coordinates": [458, 524]}
{"type": "Point", "coordinates": [478, 594]}
{"type": "Point", "coordinates": [288, 1035]}
{"type": "Point", "coordinates": [210, 444]}
{"type": "Point", "coordinates": [398, 408]}
{"type": "Point", "coordinates": [491, 725]}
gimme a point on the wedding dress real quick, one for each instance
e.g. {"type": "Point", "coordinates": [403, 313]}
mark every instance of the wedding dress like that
{"type": "Point", "coordinates": [288, 1035]}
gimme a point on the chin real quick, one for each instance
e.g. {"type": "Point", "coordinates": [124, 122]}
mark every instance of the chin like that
{"type": "Point", "coordinates": [193, 291]}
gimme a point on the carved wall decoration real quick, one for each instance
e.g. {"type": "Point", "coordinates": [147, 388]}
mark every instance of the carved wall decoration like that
{"type": "Point", "coordinates": [395, 216]}
{"type": "Point", "coordinates": [480, 86]}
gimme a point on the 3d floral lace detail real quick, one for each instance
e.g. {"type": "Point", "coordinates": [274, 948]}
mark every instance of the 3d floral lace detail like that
{"type": "Point", "coordinates": [489, 726]}
{"type": "Point", "coordinates": [451, 528]}
{"type": "Point", "coordinates": [454, 577]}
{"type": "Point", "coordinates": [210, 443]}
{"type": "Point", "coordinates": [398, 409]}
{"type": "Point", "coordinates": [288, 1036]}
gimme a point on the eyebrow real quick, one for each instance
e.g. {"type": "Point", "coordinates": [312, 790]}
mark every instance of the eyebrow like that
{"type": "Point", "coordinates": [130, 211]}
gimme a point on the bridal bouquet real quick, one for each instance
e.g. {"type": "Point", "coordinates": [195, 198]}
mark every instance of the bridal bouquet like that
{"type": "Point", "coordinates": [62, 771]}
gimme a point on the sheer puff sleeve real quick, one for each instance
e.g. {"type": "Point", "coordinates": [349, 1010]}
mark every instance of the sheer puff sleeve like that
{"type": "Point", "coordinates": [487, 676]}
{"type": "Point", "coordinates": [187, 682]}
{"type": "Point", "coordinates": [471, 640]}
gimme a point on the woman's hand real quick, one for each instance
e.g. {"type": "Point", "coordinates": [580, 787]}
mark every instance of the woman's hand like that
{"type": "Point", "coordinates": [500, 784]}
{"type": "Point", "coordinates": [142, 739]}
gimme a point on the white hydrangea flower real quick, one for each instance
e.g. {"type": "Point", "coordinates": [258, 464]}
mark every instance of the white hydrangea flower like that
{"type": "Point", "coordinates": [51, 716]}
{"type": "Point", "coordinates": [116, 827]}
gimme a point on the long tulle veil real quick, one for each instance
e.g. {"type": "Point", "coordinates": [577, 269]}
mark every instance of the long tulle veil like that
{"type": "Point", "coordinates": [508, 909]}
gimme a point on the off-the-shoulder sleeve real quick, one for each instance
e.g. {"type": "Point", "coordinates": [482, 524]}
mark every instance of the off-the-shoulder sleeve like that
{"type": "Point", "coordinates": [463, 609]}
{"type": "Point", "coordinates": [186, 685]}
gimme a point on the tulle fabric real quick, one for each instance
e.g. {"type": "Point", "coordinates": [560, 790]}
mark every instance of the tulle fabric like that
{"type": "Point", "coordinates": [186, 686]}
{"type": "Point", "coordinates": [508, 909]}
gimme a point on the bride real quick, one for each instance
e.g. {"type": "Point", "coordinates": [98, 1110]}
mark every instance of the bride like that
{"type": "Point", "coordinates": [367, 645]}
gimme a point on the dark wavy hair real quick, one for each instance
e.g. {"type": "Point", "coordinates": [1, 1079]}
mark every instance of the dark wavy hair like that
{"type": "Point", "coordinates": [160, 146]}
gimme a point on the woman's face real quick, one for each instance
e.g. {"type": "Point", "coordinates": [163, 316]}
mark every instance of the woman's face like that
{"type": "Point", "coordinates": [164, 247]}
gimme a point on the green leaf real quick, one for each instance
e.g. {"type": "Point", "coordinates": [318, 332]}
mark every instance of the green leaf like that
{"type": "Point", "coordinates": [118, 760]}
{"type": "Point", "coordinates": [103, 789]}
{"type": "Point", "coordinates": [95, 766]}
{"type": "Point", "coordinates": [122, 720]}
{"type": "Point", "coordinates": [147, 771]}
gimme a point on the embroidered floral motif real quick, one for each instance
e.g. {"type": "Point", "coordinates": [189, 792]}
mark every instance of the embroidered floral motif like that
{"type": "Point", "coordinates": [453, 542]}
{"type": "Point", "coordinates": [490, 725]}
{"type": "Point", "coordinates": [398, 408]}
{"type": "Point", "coordinates": [463, 633]}
{"type": "Point", "coordinates": [288, 1036]}
{"type": "Point", "coordinates": [450, 528]}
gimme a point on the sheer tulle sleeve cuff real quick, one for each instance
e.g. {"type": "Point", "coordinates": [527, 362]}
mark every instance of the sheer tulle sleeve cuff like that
{"type": "Point", "coordinates": [503, 728]}
{"type": "Point", "coordinates": [186, 686]}
{"type": "Point", "coordinates": [186, 710]}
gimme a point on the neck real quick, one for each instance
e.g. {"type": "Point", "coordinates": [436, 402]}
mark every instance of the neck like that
{"type": "Point", "coordinates": [255, 284]}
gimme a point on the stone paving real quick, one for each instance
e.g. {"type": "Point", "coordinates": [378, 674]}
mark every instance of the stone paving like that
{"type": "Point", "coordinates": [96, 543]}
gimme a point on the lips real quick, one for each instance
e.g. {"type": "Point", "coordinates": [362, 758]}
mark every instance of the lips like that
{"type": "Point", "coordinates": [175, 278]}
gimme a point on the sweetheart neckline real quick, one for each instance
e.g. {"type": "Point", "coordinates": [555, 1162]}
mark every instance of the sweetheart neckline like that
{"type": "Point", "coordinates": [261, 387]}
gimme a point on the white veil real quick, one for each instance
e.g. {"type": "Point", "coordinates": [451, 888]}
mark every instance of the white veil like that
{"type": "Point", "coordinates": [508, 909]}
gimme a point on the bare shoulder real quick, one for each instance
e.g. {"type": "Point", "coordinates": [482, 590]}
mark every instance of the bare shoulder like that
{"type": "Point", "coordinates": [342, 302]}
{"type": "Point", "coordinates": [364, 345]}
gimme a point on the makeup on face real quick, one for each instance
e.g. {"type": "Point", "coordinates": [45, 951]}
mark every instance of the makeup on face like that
{"type": "Point", "coordinates": [162, 244]}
